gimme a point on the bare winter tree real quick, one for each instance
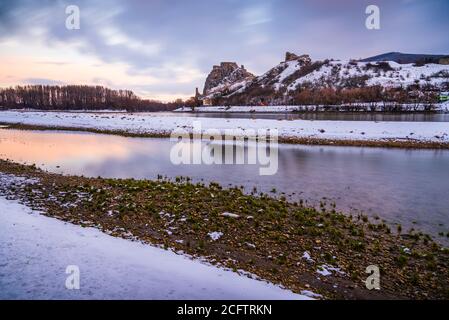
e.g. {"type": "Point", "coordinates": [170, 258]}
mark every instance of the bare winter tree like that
{"type": "Point", "coordinates": [78, 97]}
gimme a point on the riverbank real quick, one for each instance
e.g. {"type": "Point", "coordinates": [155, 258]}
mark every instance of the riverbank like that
{"type": "Point", "coordinates": [424, 135]}
{"type": "Point", "coordinates": [357, 107]}
{"type": "Point", "coordinates": [285, 243]}
{"type": "Point", "coordinates": [110, 267]}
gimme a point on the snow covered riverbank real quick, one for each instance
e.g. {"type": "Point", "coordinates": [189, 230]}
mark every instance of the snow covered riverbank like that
{"type": "Point", "coordinates": [163, 125]}
{"type": "Point", "coordinates": [35, 251]}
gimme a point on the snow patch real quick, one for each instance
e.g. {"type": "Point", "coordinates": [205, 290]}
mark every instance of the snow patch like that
{"type": "Point", "coordinates": [326, 270]}
{"type": "Point", "coordinates": [215, 235]}
{"type": "Point", "coordinates": [311, 294]}
{"type": "Point", "coordinates": [35, 251]}
{"type": "Point", "coordinates": [307, 256]}
{"type": "Point", "coordinates": [230, 215]}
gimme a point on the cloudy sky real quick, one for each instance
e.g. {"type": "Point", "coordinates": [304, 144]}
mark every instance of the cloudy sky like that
{"type": "Point", "coordinates": [163, 49]}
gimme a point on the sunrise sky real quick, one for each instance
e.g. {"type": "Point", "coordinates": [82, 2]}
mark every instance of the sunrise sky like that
{"type": "Point", "coordinates": [163, 49]}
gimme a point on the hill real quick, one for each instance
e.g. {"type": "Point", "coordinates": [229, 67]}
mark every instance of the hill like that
{"type": "Point", "coordinates": [300, 80]}
{"type": "Point", "coordinates": [403, 58]}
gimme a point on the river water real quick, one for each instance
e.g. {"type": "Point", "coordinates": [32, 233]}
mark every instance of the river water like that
{"type": "Point", "coordinates": [410, 187]}
{"type": "Point", "coordinates": [333, 116]}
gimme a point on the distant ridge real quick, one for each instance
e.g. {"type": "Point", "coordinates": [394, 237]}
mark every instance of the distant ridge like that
{"type": "Point", "coordinates": [403, 58]}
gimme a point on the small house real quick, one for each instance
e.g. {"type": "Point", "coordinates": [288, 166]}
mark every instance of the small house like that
{"type": "Point", "coordinates": [207, 101]}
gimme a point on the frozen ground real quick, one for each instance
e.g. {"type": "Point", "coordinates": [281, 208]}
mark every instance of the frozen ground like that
{"type": "Point", "coordinates": [141, 123]}
{"type": "Point", "coordinates": [35, 251]}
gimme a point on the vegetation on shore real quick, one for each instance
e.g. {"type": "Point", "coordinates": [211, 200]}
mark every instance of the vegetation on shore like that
{"type": "Point", "coordinates": [280, 241]}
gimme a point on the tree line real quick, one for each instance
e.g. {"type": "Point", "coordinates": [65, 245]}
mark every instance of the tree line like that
{"type": "Point", "coordinates": [79, 97]}
{"type": "Point", "coordinates": [314, 95]}
{"type": "Point", "coordinates": [332, 96]}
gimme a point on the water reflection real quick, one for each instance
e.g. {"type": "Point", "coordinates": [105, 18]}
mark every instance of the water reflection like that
{"type": "Point", "coordinates": [405, 186]}
{"type": "Point", "coordinates": [75, 150]}
{"type": "Point", "coordinates": [217, 151]}
{"type": "Point", "coordinates": [341, 116]}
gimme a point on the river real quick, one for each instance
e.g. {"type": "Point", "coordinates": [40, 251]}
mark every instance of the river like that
{"type": "Point", "coordinates": [409, 187]}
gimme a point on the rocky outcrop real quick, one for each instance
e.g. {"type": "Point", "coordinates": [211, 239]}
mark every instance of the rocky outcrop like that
{"type": "Point", "coordinates": [303, 59]}
{"type": "Point", "coordinates": [290, 56]}
{"type": "Point", "coordinates": [225, 75]}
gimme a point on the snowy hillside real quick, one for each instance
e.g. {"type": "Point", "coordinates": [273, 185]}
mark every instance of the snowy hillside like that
{"type": "Point", "coordinates": [346, 73]}
{"type": "Point", "coordinates": [298, 73]}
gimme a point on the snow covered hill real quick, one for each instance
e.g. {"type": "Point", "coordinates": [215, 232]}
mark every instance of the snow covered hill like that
{"type": "Point", "coordinates": [296, 73]}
